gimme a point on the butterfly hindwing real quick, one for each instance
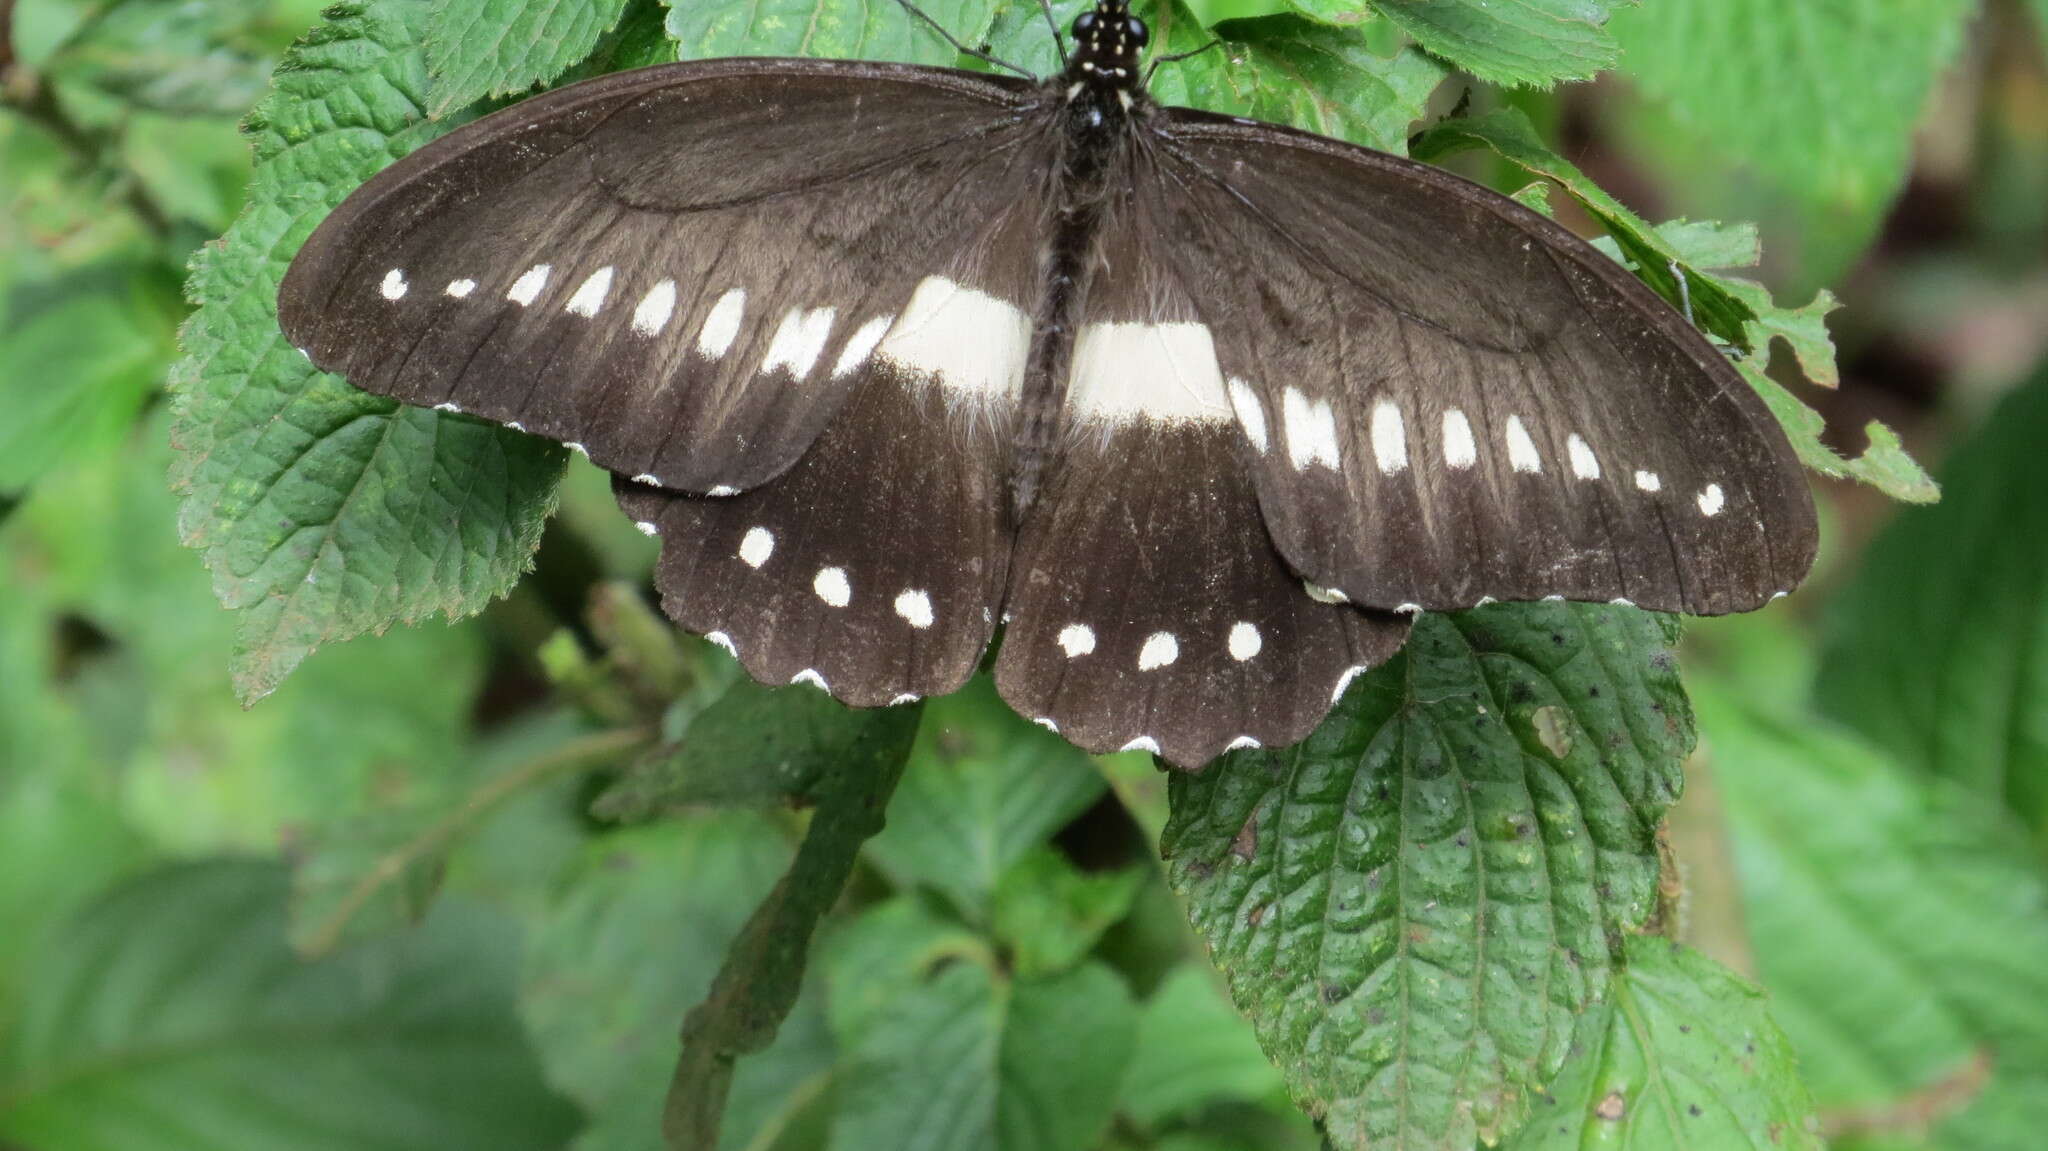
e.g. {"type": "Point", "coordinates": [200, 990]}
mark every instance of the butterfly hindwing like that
{"type": "Point", "coordinates": [1452, 399]}
{"type": "Point", "coordinates": [1147, 607]}
{"type": "Point", "coordinates": [681, 270]}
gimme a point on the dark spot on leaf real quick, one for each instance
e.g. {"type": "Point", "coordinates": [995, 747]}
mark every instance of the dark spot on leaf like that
{"type": "Point", "coordinates": [1246, 845]}
{"type": "Point", "coordinates": [1332, 993]}
{"type": "Point", "coordinates": [1464, 840]}
{"type": "Point", "coordinates": [1693, 1109]}
{"type": "Point", "coordinates": [1593, 691]}
{"type": "Point", "coordinates": [1685, 1029]}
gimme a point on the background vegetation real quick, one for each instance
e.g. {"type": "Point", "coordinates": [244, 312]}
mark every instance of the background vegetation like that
{"type": "Point", "coordinates": [457, 886]}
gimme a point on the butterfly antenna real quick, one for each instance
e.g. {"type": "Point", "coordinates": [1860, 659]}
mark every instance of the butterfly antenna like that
{"type": "Point", "coordinates": [1684, 290]}
{"type": "Point", "coordinates": [1177, 57]}
{"type": "Point", "coordinates": [963, 49]}
{"type": "Point", "coordinates": [1052, 22]}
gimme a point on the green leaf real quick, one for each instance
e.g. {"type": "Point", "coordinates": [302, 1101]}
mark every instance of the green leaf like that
{"type": "Point", "coordinates": [753, 746]}
{"type": "Point", "coordinates": [757, 985]}
{"type": "Point", "coordinates": [1050, 913]}
{"type": "Point", "coordinates": [842, 29]}
{"type": "Point", "coordinates": [171, 1014]}
{"type": "Point", "coordinates": [945, 1051]}
{"type": "Point", "coordinates": [1939, 649]}
{"type": "Point", "coordinates": [1883, 465]}
{"type": "Point", "coordinates": [1820, 100]}
{"type": "Point", "coordinates": [1899, 925]}
{"type": "Point", "coordinates": [183, 59]}
{"type": "Point", "coordinates": [1685, 1055]}
{"type": "Point", "coordinates": [1193, 1051]}
{"type": "Point", "coordinates": [1332, 81]}
{"type": "Point", "coordinates": [1515, 42]}
{"type": "Point", "coordinates": [983, 789]}
{"type": "Point", "coordinates": [73, 377]}
{"type": "Point", "coordinates": [1414, 905]}
{"type": "Point", "coordinates": [635, 935]}
{"type": "Point", "coordinates": [325, 512]}
{"type": "Point", "coordinates": [483, 48]}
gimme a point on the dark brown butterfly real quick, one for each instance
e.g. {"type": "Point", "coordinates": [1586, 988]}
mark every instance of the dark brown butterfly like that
{"type": "Point", "coordinates": [1194, 406]}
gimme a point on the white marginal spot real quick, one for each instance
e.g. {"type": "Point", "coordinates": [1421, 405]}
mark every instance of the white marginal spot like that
{"type": "Point", "coordinates": [1142, 743]}
{"type": "Point", "coordinates": [1077, 639]}
{"type": "Point", "coordinates": [1324, 594]}
{"type": "Point", "coordinates": [798, 341]}
{"type": "Point", "coordinates": [1160, 649]}
{"type": "Point", "coordinates": [1460, 449]}
{"type": "Point", "coordinates": [1585, 464]}
{"type": "Point", "coordinates": [916, 607]}
{"type": "Point", "coordinates": [811, 676]}
{"type": "Point", "coordinates": [460, 289]}
{"type": "Point", "coordinates": [1245, 640]}
{"type": "Point", "coordinates": [861, 345]}
{"type": "Point", "coordinates": [1484, 600]}
{"type": "Point", "coordinates": [1311, 430]}
{"type": "Point", "coordinates": [970, 342]}
{"type": "Point", "coordinates": [720, 491]}
{"type": "Point", "coordinates": [1250, 416]}
{"type": "Point", "coordinates": [590, 297]}
{"type": "Point", "coordinates": [1045, 721]}
{"type": "Point", "coordinates": [1408, 609]}
{"type": "Point", "coordinates": [1389, 438]}
{"type": "Point", "coordinates": [648, 478]}
{"type": "Point", "coordinates": [1649, 481]}
{"type": "Point", "coordinates": [394, 284]}
{"type": "Point", "coordinates": [831, 586]}
{"type": "Point", "coordinates": [1622, 601]}
{"type": "Point", "coordinates": [906, 697]}
{"type": "Point", "coordinates": [1164, 373]}
{"type": "Point", "coordinates": [652, 313]}
{"type": "Point", "coordinates": [516, 426]}
{"type": "Point", "coordinates": [1521, 449]}
{"type": "Point", "coordinates": [1242, 742]}
{"type": "Point", "coordinates": [1553, 599]}
{"type": "Point", "coordinates": [446, 408]}
{"type": "Point", "coordinates": [1344, 681]}
{"type": "Point", "coordinates": [526, 289]}
{"type": "Point", "coordinates": [579, 449]}
{"type": "Point", "coordinates": [723, 640]}
{"type": "Point", "coordinates": [756, 546]}
{"type": "Point", "coordinates": [1778, 595]}
{"type": "Point", "coordinates": [647, 527]}
{"type": "Point", "coordinates": [722, 326]}
{"type": "Point", "coordinates": [1712, 500]}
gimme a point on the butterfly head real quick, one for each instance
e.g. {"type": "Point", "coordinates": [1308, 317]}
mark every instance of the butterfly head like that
{"type": "Point", "coordinates": [1108, 42]}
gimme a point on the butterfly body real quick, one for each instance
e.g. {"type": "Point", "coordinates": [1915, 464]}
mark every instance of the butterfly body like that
{"type": "Point", "coordinates": [1195, 406]}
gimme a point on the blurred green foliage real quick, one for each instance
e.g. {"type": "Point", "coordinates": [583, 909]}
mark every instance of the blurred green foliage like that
{"type": "Point", "coordinates": [458, 885]}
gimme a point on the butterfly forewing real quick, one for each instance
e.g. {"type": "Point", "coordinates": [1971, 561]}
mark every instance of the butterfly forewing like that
{"type": "Point", "coordinates": [681, 270]}
{"type": "Point", "coordinates": [1459, 400]}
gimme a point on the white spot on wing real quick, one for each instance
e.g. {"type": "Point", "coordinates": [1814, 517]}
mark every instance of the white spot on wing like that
{"type": "Point", "coordinates": [916, 607]}
{"type": "Point", "coordinates": [1311, 430]}
{"type": "Point", "coordinates": [906, 697]}
{"type": "Point", "coordinates": [720, 491]}
{"type": "Point", "coordinates": [1408, 609]}
{"type": "Point", "coordinates": [811, 676]}
{"type": "Point", "coordinates": [1242, 742]}
{"type": "Point", "coordinates": [590, 297]}
{"type": "Point", "coordinates": [1585, 464]}
{"type": "Point", "coordinates": [1622, 601]}
{"type": "Point", "coordinates": [651, 315]}
{"type": "Point", "coordinates": [394, 284]}
{"type": "Point", "coordinates": [1460, 449]}
{"type": "Point", "coordinates": [832, 586]}
{"type": "Point", "coordinates": [1160, 649]}
{"type": "Point", "coordinates": [1649, 481]}
{"type": "Point", "coordinates": [1046, 722]}
{"type": "Point", "coordinates": [1344, 681]}
{"type": "Point", "coordinates": [861, 345]}
{"type": "Point", "coordinates": [526, 289]}
{"type": "Point", "coordinates": [1245, 640]}
{"type": "Point", "coordinates": [1077, 639]}
{"type": "Point", "coordinates": [1712, 500]}
{"type": "Point", "coordinates": [1389, 438]}
{"type": "Point", "coordinates": [1250, 416]}
{"type": "Point", "coordinates": [647, 527]}
{"type": "Point", "coordinates": [756, 546]}
{"type": "Point", "coordinates": [579, 449]}
{"type": "Point", "coordinates": [460, 289]}
{"type": "Point", "coordinates": [798, 341]}
{"type": "Point", "coordinates": [969, 341]}
{"type": "Point", "coordinates": [1521, 449]}
{"type": "Point", "coordinates": [720, 639]}
{"type": "Point", "coordinates": [1324, 594]}
{"type": "Point", "coordinates": [722, 326]}
{"type": "Point", "coordinates": [446, 408]}
{"type": "Point", "coordinates": [648, 478]}
{"type": "Point", "coordinates": [1165, 373]}
{"type": "Point", "coordinates": [1142, 743]}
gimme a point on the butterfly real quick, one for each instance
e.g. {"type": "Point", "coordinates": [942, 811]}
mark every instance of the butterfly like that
{"type": "Point", "coordinates": [1199, 411]}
